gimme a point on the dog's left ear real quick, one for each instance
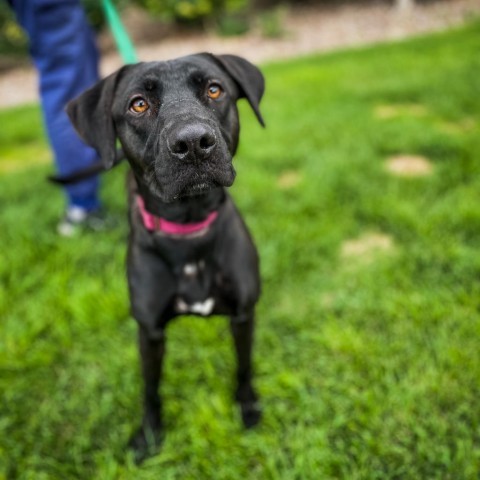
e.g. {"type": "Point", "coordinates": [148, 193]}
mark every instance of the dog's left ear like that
{"type": "Point", "coordinates": [91, 115]}
{"type": "Point", "coordinates": [248, 77]}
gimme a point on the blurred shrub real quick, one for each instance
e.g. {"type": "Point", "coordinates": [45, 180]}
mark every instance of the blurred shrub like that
{"type": "Point", "coordinates": [233, 23]}
{"type": "Point", "coordinates": [229, 13]}
{"type": "Point", "coordinates": [94, 11]}
{"type": "Point", "coordinates": [271, 21]}
{"type": "Point", "coordinates": [12, 38]}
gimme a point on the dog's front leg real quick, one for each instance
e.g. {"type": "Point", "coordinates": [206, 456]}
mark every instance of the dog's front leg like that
{"type": "Point", "coordinates": [147, 439]}
{"type": "Point", "coordinates": [242, 327]}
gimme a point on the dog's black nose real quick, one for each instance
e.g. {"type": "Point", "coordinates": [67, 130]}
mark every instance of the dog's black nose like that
{"type": "Point", "coordinates": [192, 142]}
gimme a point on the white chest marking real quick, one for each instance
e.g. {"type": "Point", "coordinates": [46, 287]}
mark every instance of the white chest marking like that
{"type": "Point", "coordinates": [201, 308]}
{"type": "Point", "coordinates": [190, 269]}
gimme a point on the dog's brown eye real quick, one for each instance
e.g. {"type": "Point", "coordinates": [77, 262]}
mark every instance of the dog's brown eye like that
{"type": "Point", "coordinates": [214, 91]}
{"type": "Point", "coordinates": [139, 105]}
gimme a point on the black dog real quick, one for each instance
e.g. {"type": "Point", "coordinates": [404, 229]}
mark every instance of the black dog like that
{"type": "Point", "coordinates": [189, 249]}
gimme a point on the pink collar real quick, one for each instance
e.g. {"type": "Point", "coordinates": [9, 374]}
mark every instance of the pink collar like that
{"type": "Point", "coordinates": [159, 224]}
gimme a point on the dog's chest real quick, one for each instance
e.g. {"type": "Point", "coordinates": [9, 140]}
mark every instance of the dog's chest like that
{"type": "Point", "coordinates": [195, 288]}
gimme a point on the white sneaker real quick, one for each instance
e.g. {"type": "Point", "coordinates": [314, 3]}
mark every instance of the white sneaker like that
{"type": "Point", "coordinates": [78, 218]}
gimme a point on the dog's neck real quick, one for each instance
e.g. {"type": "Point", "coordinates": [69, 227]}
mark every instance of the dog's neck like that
{"type": "Point", "coordinates": [184, 210]}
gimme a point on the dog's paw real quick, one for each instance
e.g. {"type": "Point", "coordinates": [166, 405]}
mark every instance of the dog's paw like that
{"type": "Point", "coordinates": [251, 414]}
{"type": "Point", "coordinates": [144, 443]}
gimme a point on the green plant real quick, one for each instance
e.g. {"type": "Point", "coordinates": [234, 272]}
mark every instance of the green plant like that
{"type": "Point", "coordinates": [12, 39]}
{"type": "Point", "coordinates": [272, 21]}
{"type": "Point", "coordinates": [195, 11]}
{"type": "Point", "coordinates": [94, 11]}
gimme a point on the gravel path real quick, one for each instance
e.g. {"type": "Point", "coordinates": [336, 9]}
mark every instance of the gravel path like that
{"type": "Point", "coordinates": [308, 29]}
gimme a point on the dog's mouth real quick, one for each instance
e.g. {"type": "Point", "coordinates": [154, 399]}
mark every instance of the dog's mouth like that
{"type": "Point", "coordinates": [194, 184]}
{"type": "Point", "coordinates": [203, 183]}
{"type": "Point", "coordinates": [198, 188]}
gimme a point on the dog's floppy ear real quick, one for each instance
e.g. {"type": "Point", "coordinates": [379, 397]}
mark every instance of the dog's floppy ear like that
{"type": "Point", "coordinates": [248, 77]}
{"type": "Point", "coordinates": [91, 115]}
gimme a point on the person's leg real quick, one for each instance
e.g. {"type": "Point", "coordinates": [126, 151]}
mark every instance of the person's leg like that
{"type": "Point", "coordinates": [63, 49]}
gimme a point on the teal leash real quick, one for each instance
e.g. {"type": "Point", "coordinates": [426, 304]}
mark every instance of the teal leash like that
{"type": "Point", "coordinates": [122, 40]}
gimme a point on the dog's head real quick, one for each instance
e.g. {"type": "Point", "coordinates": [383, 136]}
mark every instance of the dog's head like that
{"type": "Point", "coordinates": [177, 121]}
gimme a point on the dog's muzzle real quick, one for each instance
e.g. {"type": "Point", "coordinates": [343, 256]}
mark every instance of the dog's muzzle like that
{"type": "Point", "coordinates": [191, 155]}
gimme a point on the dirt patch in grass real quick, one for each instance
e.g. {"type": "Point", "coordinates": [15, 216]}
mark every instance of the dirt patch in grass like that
{"type": "Point", "coordinates": [409, 166]}
{"type": "Point", "coordinates": [463, 126]}
{"type": "Point", "coordinates": [289, 179]}
{"type": "Point", "coordinates": [387, 111]}
{"type": "Point", "coordinates": [367, 246]}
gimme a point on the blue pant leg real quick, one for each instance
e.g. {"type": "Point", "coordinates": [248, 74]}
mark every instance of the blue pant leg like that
{"type": "Point", "coordinates": [63, 49]}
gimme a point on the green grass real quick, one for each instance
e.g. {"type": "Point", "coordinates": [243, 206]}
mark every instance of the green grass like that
{"type": "Point", "coordinates": [368, 364]}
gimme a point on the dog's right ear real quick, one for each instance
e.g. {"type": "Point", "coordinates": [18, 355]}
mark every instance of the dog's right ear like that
{"type": "Point", "coordinates": [91, 115]}
{"type": "Point", "coordinates": [247, 76]}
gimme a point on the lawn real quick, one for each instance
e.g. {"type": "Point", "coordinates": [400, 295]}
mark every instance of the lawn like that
{"type": "Point", "coordinates": [368, 340]}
